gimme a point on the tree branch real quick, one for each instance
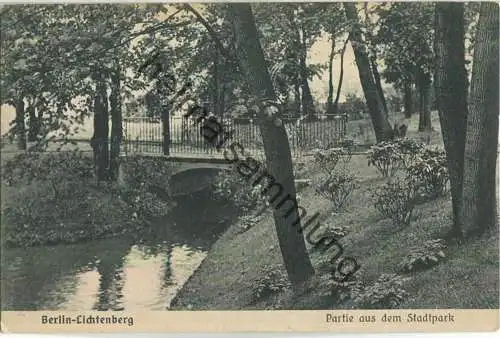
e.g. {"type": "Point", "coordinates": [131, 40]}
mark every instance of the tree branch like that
{"type": "Point", "coordinates": [210, 30]}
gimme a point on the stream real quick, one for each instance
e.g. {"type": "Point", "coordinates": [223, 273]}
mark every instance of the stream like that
{"type": "Point", "coordinates": [143, 273]}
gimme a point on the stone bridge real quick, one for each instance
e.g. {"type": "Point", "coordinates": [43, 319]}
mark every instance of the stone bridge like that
{"type": "Point", "coordinates": [191, 176]}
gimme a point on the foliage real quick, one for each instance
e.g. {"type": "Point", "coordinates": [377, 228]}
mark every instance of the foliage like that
{"type": "Point", "coordinates": [33, 217]}
{"type": "Point", "coordinates": [345, 290]}
{"type": "Point", "coordinates": [147, 186]}
{"type": "Point", "coordinates": [404, 40]}
{"type": "Point", "coordinates": [328, 159]}
{"type": "Point", "coordinates": [273, 281]}
{"type": "Point", "coordinates": [288, 31]}
{"type": "Point", "coordinates": [396, 200]}
{"type": "Point", "coordinates": [423, 256]}
{"type": "Point", "coordinates": [53, 52]}
{"type": "Point", "coordinates": [409, 150]}
{"type": "Point", "coordinates": [354, 106]}
{"type": "Point", "coordinates": [63, 204]}
{"type": "Point", "coordinates": [385, 156]}
{"type": "Point", "coordinates": [231, 186]}
{"type": "Point", "coordinates": [429, 172]}
{"type": "Point", "coordinates": [386, 293]}
{"type": "Point", "coordinates": [58, 169]}
{"type": "Point", "coordinates": [337, 187]}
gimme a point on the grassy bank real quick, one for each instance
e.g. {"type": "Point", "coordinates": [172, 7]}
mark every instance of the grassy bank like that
{"type": "Point", "coordinates": [246, 258]}
{"type": "Point", "coordinates": [53, 198]}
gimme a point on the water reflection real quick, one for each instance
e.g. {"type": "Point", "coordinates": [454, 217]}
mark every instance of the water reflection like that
{"type": "Point", "coordinates": [141, 273]}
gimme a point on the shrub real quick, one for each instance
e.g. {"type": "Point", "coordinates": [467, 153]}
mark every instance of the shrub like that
{"type": "Point", "coordinates": [423, 256]}
{"type": "Point", "coordinates": [273, 281]}
{"type": "Point", "coordinates": [328, 159]}
{"type": "Point", "coordinates": [387, 292]}
{"type": "Point", "coordinates": [34, 217]}
{"type": "Point", "coordinates": [147, 186]}
{"type": "Point", "coordinates": [64, 206]}
{"type": "Point", "coordinates": [396, 200]}
{"type": "Point", "coordinates": [429, 173]}
{"type": "Point", "coordinates": [385, 157]}
{"type": "Point", "coordinates": [409, 150]}
{"type": "Point", "coordinates": [389, 157]}
{"type": "Point", "coordinates": [337, 187]}
{"type": "Point", "coordinates": [60, 170]}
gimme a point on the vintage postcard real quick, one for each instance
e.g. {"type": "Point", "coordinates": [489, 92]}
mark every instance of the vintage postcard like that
{"type": "Point", "coordinates": [249, 167]}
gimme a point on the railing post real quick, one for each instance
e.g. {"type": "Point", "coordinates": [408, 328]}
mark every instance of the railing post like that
{"type": "Point", "coordinates": [166, 131]}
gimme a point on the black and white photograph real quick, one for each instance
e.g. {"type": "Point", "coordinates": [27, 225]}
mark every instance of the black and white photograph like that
{"type": "Point", "coordinates": [250, 156]}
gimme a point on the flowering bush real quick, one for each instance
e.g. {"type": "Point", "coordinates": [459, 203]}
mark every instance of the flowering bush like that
{"type": "Point", "coordinates": [337, 187]}
{"type": "Point", "coordinates": [328, 159]}
{"type": "Point", "coordinates": [389, 157]}
{"type": "Point", "coordinates": [396, 200]}
{"type": "Point", "coordinates": [429, 173]}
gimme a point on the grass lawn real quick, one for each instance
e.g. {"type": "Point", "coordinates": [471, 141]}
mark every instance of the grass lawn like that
{"type": "Point", "coordinates": [467, 278]}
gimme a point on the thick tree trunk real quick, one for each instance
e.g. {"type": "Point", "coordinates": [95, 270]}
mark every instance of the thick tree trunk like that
{"type": "Point", "coordinates": [450, 82]}
{"type": "Point", "coordinates": [100, 139]}
{"type": "Point", "coordinates": [276, 146]}
{"type": "Point", "coordinates": [424, 121]}
{"type": "Point", "coordinates": [378, 82]}
{"type": "Point", "coordinates": [408, 98]}
{"type": "Point", "coordinates": [116, 125]}
{"type": "Point", "coordinates": [380, 121]}
{"type": "Point", "coordinates": [341, 76]}
{"type": "Point", "coordinates": [20, 125]}
{"type": "Point", "coordinates": [329, 102]}
{"type": "Point", "coordinates": [479, 200]}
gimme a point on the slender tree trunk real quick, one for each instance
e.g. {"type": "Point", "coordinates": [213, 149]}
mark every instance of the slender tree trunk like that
{"type": "Point", "coordinates": [116, 125]}
{"type": "Point", "coordinates": [276, 146]}
{"type": "Point", "coordinates": [100, 139]}
{"type": "Point", "coordinates": [341, 76]}
{"type": "Point", "coordinates": [216, 89]}
{"type": "Point", "coordinates": [450, 82]}
{"type": "Point", "coordinates": [408, 98]}
{"type": "Point", "coordinates": [297, 96]}
{"type": "Point", "coordinates": [20, 125]}
{"type": "Point", "coordinates": [380, 121]}
{"type": "Point", "coordinates": [329, 103]}
{"type": "Point", "coordinates": [378, 82]}
{"type": "Point", "coordinates": [479, 200]}
{"type": "Point", "coordinates": [424, 122]}
{"type": "Point", "coordinates": [307, 99]}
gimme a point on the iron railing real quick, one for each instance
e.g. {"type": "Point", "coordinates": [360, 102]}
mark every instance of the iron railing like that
{"type": "Point", "coordinates": [146, 135]}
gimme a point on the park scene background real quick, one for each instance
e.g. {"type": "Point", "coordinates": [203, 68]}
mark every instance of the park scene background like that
{"type": "Point", "coordinates": [115, 224]}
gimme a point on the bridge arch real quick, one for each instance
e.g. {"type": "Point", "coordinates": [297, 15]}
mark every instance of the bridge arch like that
{"type": "Point", "coordinates": [190, 179]}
